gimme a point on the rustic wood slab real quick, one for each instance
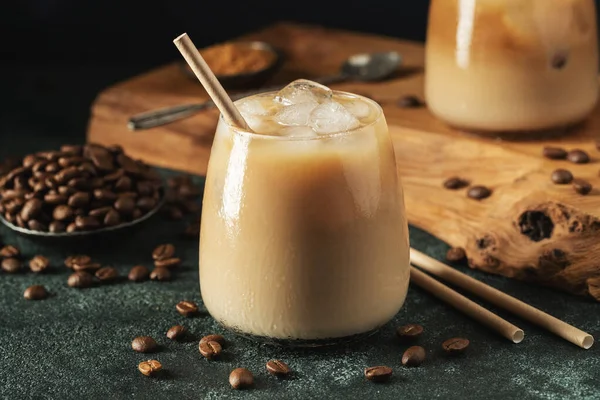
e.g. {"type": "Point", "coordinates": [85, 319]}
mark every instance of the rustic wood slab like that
{"type": "Point", "coordinates": [529, 229]}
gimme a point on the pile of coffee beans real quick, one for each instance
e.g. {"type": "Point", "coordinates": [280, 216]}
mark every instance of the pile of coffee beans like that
{"type": "Point", "coordinates": [78, 188]}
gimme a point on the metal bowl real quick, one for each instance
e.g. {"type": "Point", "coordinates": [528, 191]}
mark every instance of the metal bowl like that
{"type": "Point", "coordinates": [250, 79]}
{"type": "Point", "coordinates": [87, 234]}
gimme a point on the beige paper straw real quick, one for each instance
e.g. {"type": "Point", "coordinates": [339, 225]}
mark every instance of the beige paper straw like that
{"type": "Point", "coordinates": [500, 299]}
{"type": "Point", "coordinates": [472, 309]}
{"type": "Point", "coordinates": [210, 82]}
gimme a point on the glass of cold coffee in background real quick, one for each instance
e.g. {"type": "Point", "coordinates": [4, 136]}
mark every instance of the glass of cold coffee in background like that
{"type": "Point", "coordinates": [511, 65]}
{"type": "Point", "coordinates": [304, 239]}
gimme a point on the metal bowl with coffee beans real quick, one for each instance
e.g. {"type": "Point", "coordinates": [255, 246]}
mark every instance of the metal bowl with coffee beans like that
{"type": "Point", "coordinates": [78, 190]}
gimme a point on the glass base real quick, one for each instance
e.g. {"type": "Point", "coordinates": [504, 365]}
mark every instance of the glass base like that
{"type": "Point", "coordinates": [524, 135]}
{"type": "Point", "coordinates": [303, 343]}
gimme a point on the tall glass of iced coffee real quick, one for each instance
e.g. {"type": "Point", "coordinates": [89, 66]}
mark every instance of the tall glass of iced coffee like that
{"type": "Point", "coordinates": [304, 239]}
{"type": "Point", "coordinates": [511, 65]}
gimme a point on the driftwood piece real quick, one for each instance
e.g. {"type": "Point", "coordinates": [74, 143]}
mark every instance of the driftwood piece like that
{"type": "Point", "coordinates": [529, 229]}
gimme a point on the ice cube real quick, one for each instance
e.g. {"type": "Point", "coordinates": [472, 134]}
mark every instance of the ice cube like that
{"type": "Point", "coordinates": [298, 131]}
{"type": "Point", "coordinates": [332, 117]}
{"type": "Point", "coordinates": [295, 114]}
{"type": "Point", "coordinates": [303, 91]}
{"type": "Point", "coordinates": [358, 108]}
{"type": "Point", "coordinates": [255, 106]}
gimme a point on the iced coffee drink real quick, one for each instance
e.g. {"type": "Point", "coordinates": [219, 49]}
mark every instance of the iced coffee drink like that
{"type": "Point", "coordinates": [303, 235]}
{"type": "Point", "coordinates": [511, 65]}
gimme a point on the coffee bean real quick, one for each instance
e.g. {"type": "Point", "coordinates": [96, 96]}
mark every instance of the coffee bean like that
{"type": "Point", "coordinates": [456, 254]}
{"type": "Point", "coordinates": [115, 149]}
{"type": "Point", "coordinates": [105, 195]}
{"type": "Point", "coordinates": [138, 273]}
{"type": "Point", "coordinates": [189, 190]}
{"type": "Point", "coordinates": [66, 175]}
{"type": "Point", "coordinates": [160, 274]}
{"type": "Point", "coordinates": [80, 280]}
{"type": "Point", "coordinates": [144, 344]}
{"type": "Point", "coordinates": [455, 346]}
{"type": "Point", "coordinates": [378, 374]}
{"type": "Point", "coordinates": [70, 261]}
{"type": "Point", "coordinates": [86, 223]}
{"type": "Point", "coordinates": [79, 183]}
{"type": "Point", "coordinates": [129, 165]}
{"type": "Point", "coordinates": [71, 227]}
{"type": "Point", "coordinates": [31, 209]}
{"type": "Point", "coordinates": [124, 204]}
{"type": "Point", "coordinates": [36, 225]}
{"type": "Point", "coordinates": [55, 199]}
{"type": "Point", "coordinates": [150, 367]}
{"type": "Point", "coordinates": [39, 264]}
{"type": "Point", "coordinates": [101, 157]}
{"type": "Point", "coordinates": [478, 192]}
{"type": "Point", "coordinates": [278, 368]}
{"type": "Point", "coordinates": [241, 378]}
{"type": "Point", "coordinates": [409, 333]}
{"type": "Point", "coordinates": [89, 267]}
{"type": "Point", "coordinates": [559, 60]}
{"type": "Point", "coordinates": [11, 265]}
{"type": "Point", "coordinates": [144, 188]}
{"type": "Point", "coordinates": [582, 187]}
{"type": "Point", "coordinates": [163, 251]}
{"type": "Point", "coordinates": [554, 153]}
{"type": "Point", "coordinates": [409, 101]}
{"type": "Point", "coordinates": [71, 149]}
{"type": "Point", "coordinates": [114, 176]}
{"type": "Point", "coordinates": [214, 338]}
{"type": "Point", "coordinates": [100, 212]}
{"type": "Point", "coordinates": [20, 221]}
{"type": "Point", "coordinates": [35, 292]}
{"type": "Point", "coordinates": [186, 308]}
{"type": "Point", "coordinates": [176, 332]}
{"type": "Point", "coordinates": [65, 190]}
{"type": "Point", "coordinates": [62, 213]}
{"type": "Point", "coordinates": [123, 184]}
{"type": "Point", "coordinates": [79, 199]}
{"type": "Point", "coordinates": [578, 156]}
{"type": "Point", "coordinates": [210, 350]}
{"type": "Point", "coordinates": [9, 251]}
{"type": "Point", "coordinates": [146, 203]}
{"type": "Point", "coordinates": [52, 167]}
{"type": "Point", "coordinates": [107, 274]}
{"type": "Point", "coordinates": [454, 183]}
{"type": "Point", "coordinates": [561, 176]}
{"type": "Point", "coordinates": [167, 263]}
{"type": "Point", "coordinates": [112, 218]}
{"type": "Point", "coordinates": [29, 160]}
{"type": "Point", "coordinates": [413, 356]}
{"type": "Point", "coordinates": [56, 227]}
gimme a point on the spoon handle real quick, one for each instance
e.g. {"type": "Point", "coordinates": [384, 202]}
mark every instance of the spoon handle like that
{"type": "Point", "coordinates": [163, 116]}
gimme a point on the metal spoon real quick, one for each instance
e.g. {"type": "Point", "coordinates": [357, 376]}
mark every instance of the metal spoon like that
{"type": "Point", "coordinates": [359, 67]}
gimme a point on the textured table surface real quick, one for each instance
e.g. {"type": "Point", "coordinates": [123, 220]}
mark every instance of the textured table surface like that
{"type": "Point", "coordinates": [76, 344]}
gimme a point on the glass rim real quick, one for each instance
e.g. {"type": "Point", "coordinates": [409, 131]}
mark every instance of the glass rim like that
{"type": "Point", "coordinates": [243, 132]}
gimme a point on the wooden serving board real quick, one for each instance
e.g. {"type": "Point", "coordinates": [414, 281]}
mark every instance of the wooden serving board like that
{"type": "Point", "coordinates": [562, 248]}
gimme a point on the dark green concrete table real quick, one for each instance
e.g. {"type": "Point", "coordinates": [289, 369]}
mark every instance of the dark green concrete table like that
{"type": "Point", "coordinates": [76, 344]}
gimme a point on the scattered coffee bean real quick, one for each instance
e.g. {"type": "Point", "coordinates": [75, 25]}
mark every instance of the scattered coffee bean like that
{"type": "Point", "coordinates": [456, 254]}
{"type": "Point", "coordinates": [160, 274]}
{"type": "Point", "coordinates": [80, 280]}
{"type": "Point", "coordinates": [209, 350]}
{"type": "Point", "coordinates": [578, 156]}
{"type": "Point", "coordinates": [559, 60]}
{"type": "Point", "coordinates": [409, 333]}
{"type": "Point", "coordinates": [77, 260]}
{"type": "Point", "coordinates": [144, 344]}
{"type": "Point", "coordinates": [214, 338]}
{"type": "Point", "coordinates": [150, 367]}
{"type": "Point", "coordinates": [561, 176]}
{"type": "Point", "coordinates": [554, 153]}
{"type": "Point", "coordinates": [167, 263]}
{"type": "Point", "coordinates": [241, 378]}
{"type": "Point", "coordinates": [409, 101]}
{"type": "Point", "coordinates": [454, 183]}
{"type": "Point", "coordinates": [39, 264]}
{"type": "Point", "coordinates": [163, 251]}
{"type": "Point", "coordinates": [455, 346]}
{"type": "Point", "coordinates": [139, 273]}
{"type": "Point", "coordinates": [107, 274]}
{"type": "Point", "coordinates": [413, 356]}
{"type": "Point", "coordinates": [378, 374]}
{"type": "Point", "coordinates": [9, 251]}
{"type": "Point", "coordinates": [35, 292]}
{"type": "Point", "coordinates": [90, 267]}
{"type": "Point", "coordinates": [478, 192]}
{"type": "Point", "coordinates": [582, 187]}
{"type": "Point", "coordinates": [186, 308]}
{"type": "Point", "coordinates": [11, 265]}
{"type": "Point", "coordinates": [176, 332]}
{"type": "Point", "coordinates": [278, 368]}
